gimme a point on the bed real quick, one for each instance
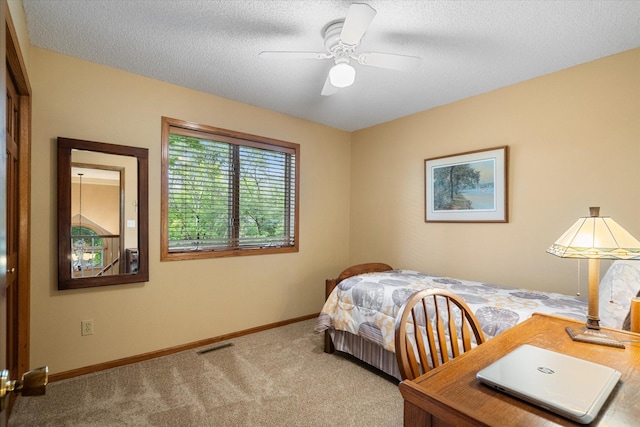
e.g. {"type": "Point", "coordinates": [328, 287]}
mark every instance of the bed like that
{"type": "Point", "coordinates": [358, 317]}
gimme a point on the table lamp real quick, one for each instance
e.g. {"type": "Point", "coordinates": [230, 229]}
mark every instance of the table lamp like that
{"type": "Point", "coordinates": [595, 237]}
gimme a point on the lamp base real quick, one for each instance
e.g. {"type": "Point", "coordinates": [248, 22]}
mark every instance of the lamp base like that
{"type": "Point", "coordinates": [593, 336]}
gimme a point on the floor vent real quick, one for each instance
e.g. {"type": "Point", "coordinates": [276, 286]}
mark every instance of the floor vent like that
{"type": "Point", "coordinates": [210, 349]}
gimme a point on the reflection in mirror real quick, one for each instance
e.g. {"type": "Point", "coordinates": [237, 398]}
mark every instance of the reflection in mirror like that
{"type": "Point", "coordinates": [97, 232]}
{"type": "Point", "coordinates": [102, 196]}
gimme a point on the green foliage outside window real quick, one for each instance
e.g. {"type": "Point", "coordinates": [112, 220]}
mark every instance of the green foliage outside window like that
{"type": "Point", "coordinates": [225, 196]}
{"type": "Point", "coordinates": [87, 239]}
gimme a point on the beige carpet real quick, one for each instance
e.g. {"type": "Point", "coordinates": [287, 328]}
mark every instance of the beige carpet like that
{"type": "Point", "coordinates": [279, 377]}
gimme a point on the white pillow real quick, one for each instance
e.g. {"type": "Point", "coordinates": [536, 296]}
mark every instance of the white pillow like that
{"type": "Point", "coordinates": [619, 284]}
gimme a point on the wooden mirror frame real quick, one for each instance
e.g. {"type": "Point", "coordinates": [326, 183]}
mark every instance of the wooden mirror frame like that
{"type": "Point", "coordinates": [65, 147]}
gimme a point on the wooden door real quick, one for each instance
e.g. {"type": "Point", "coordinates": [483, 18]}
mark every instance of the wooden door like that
{"type": "Point", "coordinates": [15, 211]}
{"type": "Point", "coordinates": [4, 336]}
{"type": "Point", "coordinates": [12, 231]}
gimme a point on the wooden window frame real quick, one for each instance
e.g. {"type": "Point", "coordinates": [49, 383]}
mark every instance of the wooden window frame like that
{"type": "Point", "coordinates": [236, 138]}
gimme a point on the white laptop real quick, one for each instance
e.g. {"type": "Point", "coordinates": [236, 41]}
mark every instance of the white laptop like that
{"type": "Point", "coordinates": [566, 385]}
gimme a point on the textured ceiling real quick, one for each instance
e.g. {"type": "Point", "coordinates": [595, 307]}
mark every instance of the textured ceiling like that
{"type": "Point", "coordinates": [468, 47]}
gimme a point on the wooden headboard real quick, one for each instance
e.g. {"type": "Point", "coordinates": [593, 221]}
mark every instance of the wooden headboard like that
{"type": "Point", "coordinates": [371, 267]}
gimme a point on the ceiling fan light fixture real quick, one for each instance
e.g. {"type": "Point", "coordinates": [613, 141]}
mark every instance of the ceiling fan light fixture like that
{"type": "Point", "coordinates": [342, 39]}
{"type": "Point", "coordinates": [342, 75]}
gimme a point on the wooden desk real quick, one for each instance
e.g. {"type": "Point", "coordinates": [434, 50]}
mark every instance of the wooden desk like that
{"type": "Point", "coordinates": [451, 394]}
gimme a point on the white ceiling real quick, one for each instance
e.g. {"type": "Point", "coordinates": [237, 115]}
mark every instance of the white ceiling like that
{"type": "Point", "coordinates": [468, 47]}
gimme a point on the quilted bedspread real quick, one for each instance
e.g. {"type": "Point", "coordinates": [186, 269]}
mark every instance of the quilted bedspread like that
{"type": "Point", "coordinates": [367, 304]}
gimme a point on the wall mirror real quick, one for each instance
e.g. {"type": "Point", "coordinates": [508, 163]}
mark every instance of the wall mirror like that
{"type": "Point", "coordinates": [103, 213]}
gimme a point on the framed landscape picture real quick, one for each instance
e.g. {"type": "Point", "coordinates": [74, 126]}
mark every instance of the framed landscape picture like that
{"type": "Point", "coordinates": [467, 187]}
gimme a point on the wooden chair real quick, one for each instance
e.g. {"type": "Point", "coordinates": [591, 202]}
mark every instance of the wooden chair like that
{"type": "Point", "coordinates": [445, 327]}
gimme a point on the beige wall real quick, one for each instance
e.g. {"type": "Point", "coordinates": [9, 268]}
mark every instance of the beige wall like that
{"type": "Point", "coordinates": [574, 138]}
{"type": "Point", "coordinates": [100, 206]}
{"type": "Point", "coordinates": [184, 301]}
{"type": "Point", "coordinates": [16, 12]}
{"type": "Point", "coordinates": [574, 143]}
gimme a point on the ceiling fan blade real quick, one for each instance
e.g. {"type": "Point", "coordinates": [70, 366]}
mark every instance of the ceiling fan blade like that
{"type": "Point", "coordinates": [293, 55]}
{"type": "Point", "coordinates": [328, 88]}
{"type": "Point", "coordinates": [389, 60]}
{"type": "Point", "coordinates": [356, 23]}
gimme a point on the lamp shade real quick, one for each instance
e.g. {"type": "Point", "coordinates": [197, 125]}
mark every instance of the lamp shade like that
{"type": "Point", "coordinates": [342, 75]}
{"type": "Point", "coordinates": [596, 237]}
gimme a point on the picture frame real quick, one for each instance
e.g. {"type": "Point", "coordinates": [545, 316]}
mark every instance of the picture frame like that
{"type": "Point", "coordinates": [468, 187]}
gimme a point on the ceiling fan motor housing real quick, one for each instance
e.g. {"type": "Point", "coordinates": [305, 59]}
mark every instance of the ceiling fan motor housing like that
{"type": "Point", "coordinates": [333, 43]}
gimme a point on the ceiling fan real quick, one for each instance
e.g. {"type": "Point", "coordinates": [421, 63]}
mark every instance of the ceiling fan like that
{"type": "Point", "coordinates": [341, 40]}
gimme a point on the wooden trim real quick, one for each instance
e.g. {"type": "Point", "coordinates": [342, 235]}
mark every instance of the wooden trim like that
{"type": "Point", "coordinates": [182, 127]}
{"type": "Point", "coordinates": [17, 69]}
{"type": "Point", "coordinates": [24, 235]}
{"type": "Point", "coordinates": [64, 149]}
{"type": "Point", "coordinates": [172, 350]}
{"type": "Point", "coordinates": [184, 256]}
{"type": "Point", "coordinates": [199, 130]}
{"type": "Point", "coordinates": [15, 60]}
{"type": "Point", "coordinates": [165, 130]}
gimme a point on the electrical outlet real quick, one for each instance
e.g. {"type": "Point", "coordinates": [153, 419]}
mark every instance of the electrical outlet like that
{"type": "Point", "coordinates": [86, 327]}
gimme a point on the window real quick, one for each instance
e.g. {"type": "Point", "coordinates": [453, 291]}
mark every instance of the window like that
{"type": "Point", "coordinates": [87, 253]}
{"type": "Point", "coordinates": [225, 193]}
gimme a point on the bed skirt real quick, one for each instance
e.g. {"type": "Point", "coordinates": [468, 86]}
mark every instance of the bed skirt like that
{"type": "Point", "coordinates": [366, 351]}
